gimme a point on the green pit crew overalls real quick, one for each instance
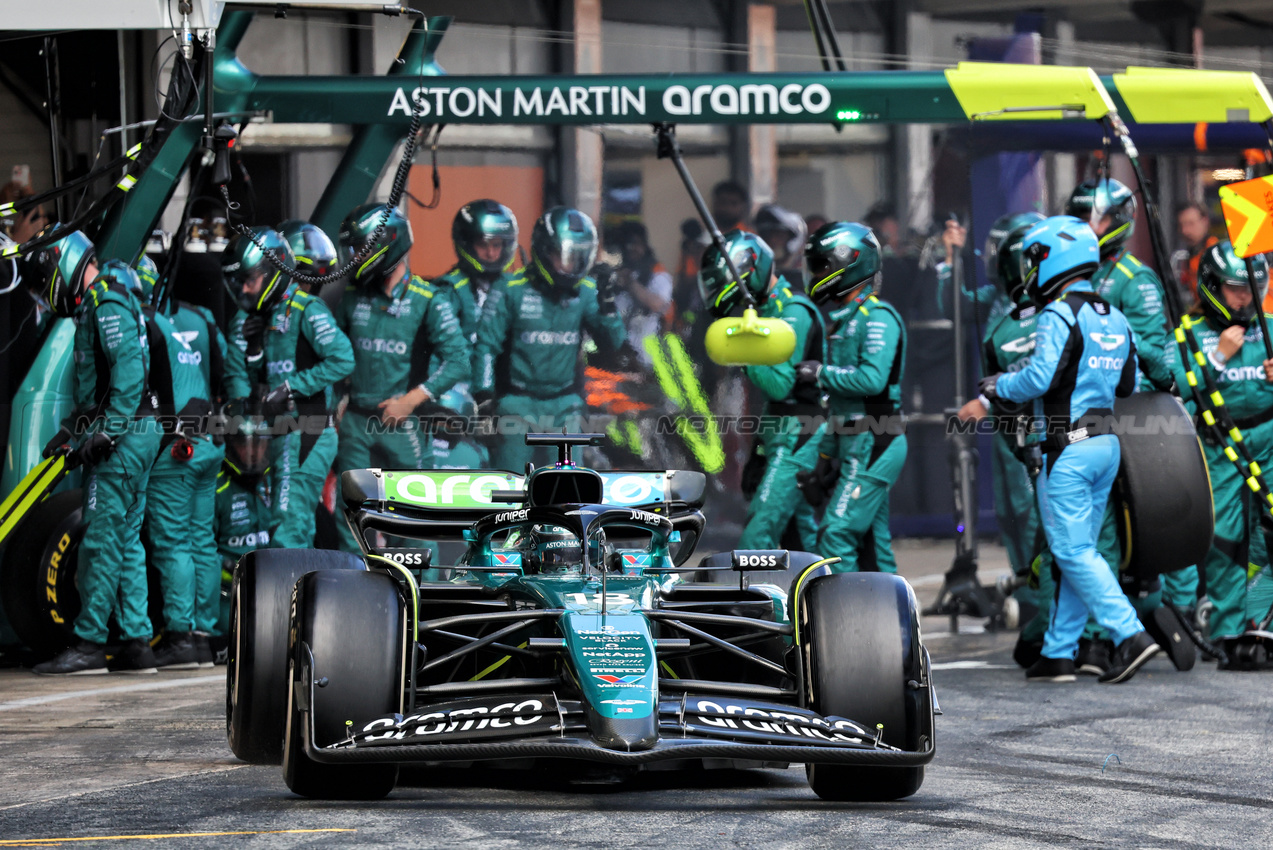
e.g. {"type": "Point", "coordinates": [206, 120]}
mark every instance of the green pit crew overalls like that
{"type": "Point", "coordinates": [1131, 286]}
{"type": "Point", "coordinates": [112, 359]}
{"type": "Point", "coordinates": [1008, 342]}
{"type": "Point", "coordinates": [467, 299]}
{"type": "Point", "coordinates": [463, 454]}
{"type": "Point", "coordinates": [199, 329]}
{"type": "Point", "coordinates": [527, 353]}
{"type": "Point", "coordinates": [786, 441]}
{"type": "Point", "coordinates": [240, 524]}
{"type": "Point", "coordinates": [410, 339]}
{"type": "Point", "coordinates": [303, 346]}
{"type": "Point", "coordinates": [1236, 569]}
{"type": "Point", "coordinates": [179, 494]}
{"type": "Point", "coordinates": [866, 352]}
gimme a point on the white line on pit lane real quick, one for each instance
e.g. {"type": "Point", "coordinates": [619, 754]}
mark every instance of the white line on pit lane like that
{"type": "Point", "coordinates": [971, 665]}
{"type": "Point", "coordinates": [148, 686]}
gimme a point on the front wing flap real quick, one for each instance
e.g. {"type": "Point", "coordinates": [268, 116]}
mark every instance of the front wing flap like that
{"type": "Point", "coordinates": [544, 726]}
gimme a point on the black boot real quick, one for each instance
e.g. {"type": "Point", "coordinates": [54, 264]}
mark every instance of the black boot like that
{"type": "Point", "coordinates": [1094, 656]}
{"type": "Point", "coordinates": [1128, 658]}
{"type": "Point", "coordinates": [134, 658]}
{"type": "Point", "coordinates": [1162, 625]}
{"type": "Point", "coordinates": [1051, 670]}
{"type": "Point", "coordinates": [1245, 652]}
{"type": "Point", "coordinates": [203, 650]}
{"type": "Point", "coordinates": [176, 651]}
{"type": "Point", "coordinates": [1026, 652]}
{"type": "Point", "coordinates": [84, 659]}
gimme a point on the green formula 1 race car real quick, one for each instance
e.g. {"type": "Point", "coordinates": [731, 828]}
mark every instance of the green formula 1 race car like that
{"type": "Point", "coordinates": [570, 630]}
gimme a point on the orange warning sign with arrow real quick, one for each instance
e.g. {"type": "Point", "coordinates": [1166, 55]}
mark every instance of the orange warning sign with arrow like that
{"type": "Point", "coordinates": [1248, 215]}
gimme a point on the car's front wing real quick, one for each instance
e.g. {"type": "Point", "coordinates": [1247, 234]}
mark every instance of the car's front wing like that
{"type": "Point", "coordinates": [542, 726]}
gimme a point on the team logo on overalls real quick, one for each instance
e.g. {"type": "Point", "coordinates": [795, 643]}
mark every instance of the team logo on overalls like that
{"type": "Point", "coordinates": [1108, 342]}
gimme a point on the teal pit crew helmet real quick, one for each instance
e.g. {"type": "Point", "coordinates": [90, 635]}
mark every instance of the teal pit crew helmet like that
{"type": "Point", "coordinates": [1054, 252]}
{"type": "Point", "coordinates": [390, 249]}
{"type": "Point", "coordinates": [1220, 267]}
{"type": "Point", "coordinates": [754, 260]}
{"type": "Point", "coordinates": [1003, 252]}
{"type": "Point", "coordinates": [243, 261]}
{"type": "Point", "coordinates": [563, 246]}
{"type": "Point", "coordinates": [148, 274]}
{"type": "Point", "coordinates": [1092, 200]}
{"type": "Point", "coordinates": [315, 254]}
{"type": "Point", "coordinates": [122, 274]}
{"type": "Point", "coordinates": [478, 221]}
{"type": "Point", "coordinates": [842, 256]}
{"type": "Point", "coordinates": [60, 269]}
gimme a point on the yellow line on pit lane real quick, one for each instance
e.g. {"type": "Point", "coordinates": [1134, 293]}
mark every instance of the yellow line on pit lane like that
{"type": "Point", "coordinates": [50, 842]}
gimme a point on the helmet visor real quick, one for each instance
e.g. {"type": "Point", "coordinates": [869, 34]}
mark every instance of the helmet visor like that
{"type": "Point", "coordinates": [248, 451]}
{"type": "Point", "coordinates": [1239, 292]}
{"type": "Point", "coordinates": [822, 266]}
{"type": "Point", "coordinates": [248, 286]}
{"type": "Point", "coordinates": [1032, 256]}
{"type": "Point", "coordinates": [555, 549]}
{"type": "Point", "coordinates": [572, 257]}
{"type": "Point", "coordinates": [316, 256]}
{"type": "Point", "coordinates": [493, 253]}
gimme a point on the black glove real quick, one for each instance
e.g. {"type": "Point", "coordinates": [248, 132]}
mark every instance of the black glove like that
{"type": "Point", "coordinates": [753, 472]}
{"type": "Point", "coordinates": [604, 275]}
{"type": "Point", "coordinates": [986, 386]}
{"type": "Point", "coordinates": [61, 440]}
{"type": "Point", "coordinates": [254, 334]}
{"type": "Point", "coordinates": [816, 484]}
{"type": "Point", "coordinates": [807, 372]}
{"type": "Point", "coordinates": [94, 450]}
{"type": "Point", "coordinates": [278, 401]}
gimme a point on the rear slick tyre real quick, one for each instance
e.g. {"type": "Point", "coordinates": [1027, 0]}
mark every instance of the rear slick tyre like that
{"type": "Point", "coordinates": [256, 672]}
{"type": "Point", "coordinates": [860, 639]}
{"type": "Point", "coordinates": [348, 632]}
{"type": "Point", "coordinates": [37, 582]}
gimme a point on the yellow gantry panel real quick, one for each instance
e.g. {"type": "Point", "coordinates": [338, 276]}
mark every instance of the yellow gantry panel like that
{"type": "Point", "coordinates": [1189, 96]}
{"type": "Point", "coordinates": [1007, 92]}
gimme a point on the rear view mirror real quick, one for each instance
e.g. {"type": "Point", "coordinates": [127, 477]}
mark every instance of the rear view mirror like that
{"type": "Point", "coordinates": [750, 341]}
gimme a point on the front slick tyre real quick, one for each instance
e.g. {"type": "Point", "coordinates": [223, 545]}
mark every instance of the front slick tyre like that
{"type": "Point", "coordinates": [256, 676]}
{"type": "Point", "coordinates": [860, 637]}
{"type": "Point", "coordinates": [348, 628]}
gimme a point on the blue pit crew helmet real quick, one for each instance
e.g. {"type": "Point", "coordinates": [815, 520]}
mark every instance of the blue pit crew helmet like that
{"type": "Point", "coordinates": [1092, 200]}
{"type": "Point", "coordinates": [754, 260]}
{"type": "Point", "coordinates": [315, 254]}
{"type": "Point", "coordinates": [563, 246]}
{"type": "Point", "coordinates": [842, 256]}
{"type": "Point", "coordinates": [390, 249]}
{"type": "Point", "coordinates": [1003, 252]}
{"type": "Point", "coordinates": [243, 263]}
{"type": "Point", "coordinates": [481, 221]}
{"type": "Point", "coordinates": [59, 267]}
{"type": "Point", "coordinates": [1221, 268]}
{"type": "Point", "coordinates": [1054, 252]}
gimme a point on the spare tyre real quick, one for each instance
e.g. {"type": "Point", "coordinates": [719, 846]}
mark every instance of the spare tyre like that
{"type": "Point", "coordinates": [1163, 493]}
